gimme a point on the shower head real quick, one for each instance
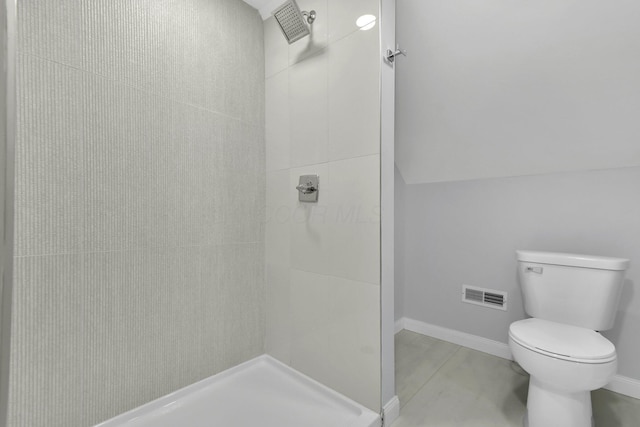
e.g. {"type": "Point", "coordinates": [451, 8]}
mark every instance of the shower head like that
{"type": "Point", "coordinates": [292, 22]}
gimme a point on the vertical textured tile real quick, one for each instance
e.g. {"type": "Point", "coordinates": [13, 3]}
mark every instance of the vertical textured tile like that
{"type": "Point", "coordinates": [243, 284]}
{"type": "Point", "coordinates": [278, 265]}
{"type": "Point", "coordinates": [51, 30]}
{"type": "Point", "coordinates": [131, 42]}
{"type": "Point", "coordinates": [140, 184]}
{"type": "Point", "coordinates": [277, 122]}
{"type": "Point", "coordinates": [212, 184]}
{"type": "Point", "coordinates": [48, 342]}
{"type": "Point", "coordinates": [159, 180]}
{"type": "Point", "coordinates": [197, 150]}
{"type": "Point", "coordinates": [247, 95]}
{"type": "Point", "coordinates": [112, 299]}
{"type": "Point", "coordinates": [115, 131]}
{"type": "Point", "coordinates": [214, 303]}
{"type": "Point", "coordinates": [50, 212]}
{"type": "Point", "coordinates": [244, 172]}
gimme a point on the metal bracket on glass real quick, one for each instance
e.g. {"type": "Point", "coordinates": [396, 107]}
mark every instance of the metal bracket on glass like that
{"type": "Point", "coordinates": [308, 188]}
{"type": "Point", "coordinates": [390, 56]}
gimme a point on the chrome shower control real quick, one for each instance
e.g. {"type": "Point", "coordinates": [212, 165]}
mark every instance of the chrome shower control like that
{"type": "Point", "coordinates": [308, 188]}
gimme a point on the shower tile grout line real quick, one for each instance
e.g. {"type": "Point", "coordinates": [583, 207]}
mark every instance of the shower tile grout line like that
{"type": "Point", "coordinates": [143, 90]}
{"type": "Point", "coordinates": [145, 248]}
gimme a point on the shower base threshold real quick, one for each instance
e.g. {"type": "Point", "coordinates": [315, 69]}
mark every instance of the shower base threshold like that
{"type": "Point", "coordinates": [261, 392]}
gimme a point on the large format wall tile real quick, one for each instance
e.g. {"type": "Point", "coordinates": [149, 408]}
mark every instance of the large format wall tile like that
{"type": "Point", "coordinates": [323, 259]}
{"type": "Point", "coordinates": [343, 15]}
{"type": "Point", "coordinates": [340, 234]}
{"type": "Point", "coordinates": [276, 50]}
{"type": "Point", "coordinates": [317, 40]}
{"type": "Point", "coordinates": [310, 322]}
{"type": "Point", "coordinates": [354, 96]}
{"type": "Point", "coordinates": [308, 104]}
{"type": "Point", "coordinates": [354, 345]}
{"type": "Point", "coordinates": [309, 223]}
{"type": "Point", "coordinates": [353, 236]}
{"type": "Point", "coordinates": [333, 333]}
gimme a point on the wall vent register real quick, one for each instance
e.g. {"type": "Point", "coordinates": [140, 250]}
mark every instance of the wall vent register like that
{"type": "Point", "coordinates": [485, 297]}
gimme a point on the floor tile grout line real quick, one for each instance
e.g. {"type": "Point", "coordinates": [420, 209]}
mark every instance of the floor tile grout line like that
{"type": "Point", "coordinates": [444, 362]}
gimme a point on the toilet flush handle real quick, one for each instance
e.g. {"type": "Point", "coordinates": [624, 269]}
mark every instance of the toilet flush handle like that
{"type": "Point", "coordinates": [537, 270]}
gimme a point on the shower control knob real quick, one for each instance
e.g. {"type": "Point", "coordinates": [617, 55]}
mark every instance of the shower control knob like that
{"type": "Point", "coordinates": [306, 188]}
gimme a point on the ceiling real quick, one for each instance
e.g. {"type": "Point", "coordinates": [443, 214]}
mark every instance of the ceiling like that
{"type": "Point", "coordinates": [265, 7]}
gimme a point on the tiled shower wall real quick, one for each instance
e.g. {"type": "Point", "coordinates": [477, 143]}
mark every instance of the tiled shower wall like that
{"type": "Point", "coordinates": [139, 220]}
{"type": "Point", "coordinates": [323, 259]}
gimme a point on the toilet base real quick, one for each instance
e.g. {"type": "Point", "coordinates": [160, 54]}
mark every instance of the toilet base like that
{"type": "Point", "coordinates": [548, 407]}
{"type": "Point", "coordinates": [525, 421]}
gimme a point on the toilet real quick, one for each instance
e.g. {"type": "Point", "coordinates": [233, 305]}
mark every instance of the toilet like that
{"type": "Point", "coordinates": [570, 298]}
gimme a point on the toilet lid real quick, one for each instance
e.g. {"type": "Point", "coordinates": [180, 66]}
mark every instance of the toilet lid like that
{"type": "Point", "coordinates": [562, 341]}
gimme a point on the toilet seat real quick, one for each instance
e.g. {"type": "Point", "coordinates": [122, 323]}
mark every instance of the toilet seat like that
{"type": "Point", "coordinates": [560, 341]}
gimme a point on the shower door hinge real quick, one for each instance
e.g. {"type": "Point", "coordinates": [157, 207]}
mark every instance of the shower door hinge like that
{"type": "Point", "coordinates": [390, 55]}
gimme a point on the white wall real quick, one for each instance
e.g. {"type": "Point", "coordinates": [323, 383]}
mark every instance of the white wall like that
{"type": "Point", "coordinates": [533, 94]}
{"type": "Point", "coordinates": [323, 259]}
{"type": "Point", "coordinates": [504, 88]}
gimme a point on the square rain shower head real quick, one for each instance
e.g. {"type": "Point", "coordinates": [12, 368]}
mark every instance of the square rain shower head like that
{"type": "Point", "coordinates": [291, 21]}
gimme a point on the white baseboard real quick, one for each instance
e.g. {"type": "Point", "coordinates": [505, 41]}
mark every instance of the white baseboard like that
{"type": "Point", "coordinates": [625, 385]}
{"type": "Point", "coordinates": [456, 337]}
{"type": "Point", "coordinates": [391, 411]}
{"type": "Point", "coordinates": [399, 324]}
{"type": "Point", "coordinates": [619, 384]}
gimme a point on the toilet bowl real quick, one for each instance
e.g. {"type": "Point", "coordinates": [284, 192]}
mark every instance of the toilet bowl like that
{"type": "Point", "coordinates": [569, 297]}
{"type": "Point", "coordinates": [565, 363]}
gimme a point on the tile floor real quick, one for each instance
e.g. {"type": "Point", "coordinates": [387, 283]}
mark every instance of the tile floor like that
{"type": "Point", "coordinates": [440, 384]}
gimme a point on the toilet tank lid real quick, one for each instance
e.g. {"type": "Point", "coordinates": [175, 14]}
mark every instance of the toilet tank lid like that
{"type": "Point", "coordinates": [573, 260]}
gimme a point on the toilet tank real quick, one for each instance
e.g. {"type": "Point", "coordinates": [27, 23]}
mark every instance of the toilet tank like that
{"type": "Point", "coordinates": [579, 290]}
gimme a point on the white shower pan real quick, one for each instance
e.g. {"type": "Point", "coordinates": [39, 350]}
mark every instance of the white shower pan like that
{"type": "Point", "coordinates": [261, 392]}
